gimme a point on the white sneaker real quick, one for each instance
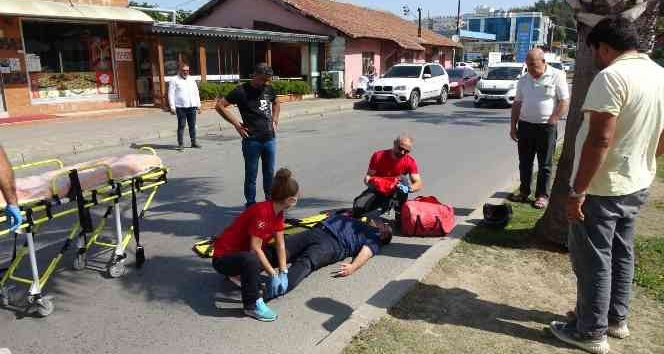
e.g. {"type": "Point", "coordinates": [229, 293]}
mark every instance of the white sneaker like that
{"type": "Point", "coordinates": [618, 330]}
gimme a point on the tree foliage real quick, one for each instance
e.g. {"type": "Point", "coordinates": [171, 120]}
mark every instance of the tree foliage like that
{"type": "Point", "coordinates": [180, 15]}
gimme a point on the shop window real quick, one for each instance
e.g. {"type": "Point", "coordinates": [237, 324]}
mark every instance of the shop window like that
{"type": "Point", "coordinates": [212, 58]}
{"type": "Point", "coordinates": [68, 59]}
{"type": "Point", "coordinates": [368, 67]}
{"type": "Point", "coordinates": [180, 50]}
{"type": "Point", "coordinates": [230, 57]}
{"type": "Point", "coordinates": [221, 58]}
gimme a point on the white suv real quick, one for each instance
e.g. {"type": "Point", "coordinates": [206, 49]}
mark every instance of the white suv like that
{"type": "Point", "coordinates": [409, 84]}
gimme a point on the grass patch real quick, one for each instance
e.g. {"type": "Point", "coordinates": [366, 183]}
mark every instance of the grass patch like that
{"type": "Point", "coordinates": [660, 167]}
{"type": "Point", "coordinates": [649, 272]}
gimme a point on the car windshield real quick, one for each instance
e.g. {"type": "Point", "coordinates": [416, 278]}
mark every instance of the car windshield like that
{"type": "Point", "coordinates": [558, 66]}
{"type": "Point", "coordinates": [455, 73]}
{"type": "Point", "coordinates": [404, 71]}
{"type": "Point", "coordinates": [504, 73]}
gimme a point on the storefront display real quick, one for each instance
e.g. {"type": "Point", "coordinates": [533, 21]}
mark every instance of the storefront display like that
{"type": "Point", "coordinates": [68, 60]}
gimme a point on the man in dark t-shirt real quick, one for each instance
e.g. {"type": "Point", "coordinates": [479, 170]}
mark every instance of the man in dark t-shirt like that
{"type": "Point", "coordinates": [259, 109]}
{"type": "Point", "coordinates": [333, 240]}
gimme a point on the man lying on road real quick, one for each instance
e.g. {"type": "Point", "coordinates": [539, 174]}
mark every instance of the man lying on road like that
{"type": "Point", "coordinates": [332, 240]}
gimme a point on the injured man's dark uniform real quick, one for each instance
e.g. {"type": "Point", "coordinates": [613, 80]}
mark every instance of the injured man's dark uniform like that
{"type": "Point", "coordinates": [332, 240]}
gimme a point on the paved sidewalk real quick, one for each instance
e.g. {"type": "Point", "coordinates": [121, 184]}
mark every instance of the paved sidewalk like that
{"type": "Point", "coordinates": [67, 136]}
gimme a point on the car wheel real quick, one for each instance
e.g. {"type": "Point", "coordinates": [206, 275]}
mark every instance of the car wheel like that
{"type": "Point", "coordinates": [443, 96]}
{"type": "Point", "coordinates": [414, 100]}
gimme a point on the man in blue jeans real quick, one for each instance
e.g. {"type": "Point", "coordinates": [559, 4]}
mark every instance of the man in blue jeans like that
{"type": "Point", "coordinates": [621, 135]}
{"type": "Point", "coordinates": [259, 109]}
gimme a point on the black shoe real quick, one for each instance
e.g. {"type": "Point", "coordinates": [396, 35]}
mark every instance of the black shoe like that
{"type": "Point", "coordinates": [196, 146]}
{"type": "Point", "coordinates": [180, 148]}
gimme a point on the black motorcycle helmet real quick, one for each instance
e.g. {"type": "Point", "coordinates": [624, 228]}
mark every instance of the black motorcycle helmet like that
{"type": "Point", "coordinates": [497, 215]}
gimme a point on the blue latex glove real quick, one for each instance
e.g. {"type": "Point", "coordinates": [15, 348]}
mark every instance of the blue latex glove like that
{"type": "Point", "coordinates": [14, 218]}
{"type": "Point", "coordinates": [403, 188]}
{"type": "Point", "coordinates": [274, 286]}
{"type": "Point", "coordinates": [283, 286]}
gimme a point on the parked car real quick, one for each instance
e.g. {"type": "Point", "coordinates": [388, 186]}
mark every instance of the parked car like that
{"type": "Point", "coordinates": [558, 65]}
{"type": "Point", "coordinates": [462, 81]}
{"type": "Point", "coordinates": [410, 84]}
{"type": "Point", "coordinates": [499, 84]}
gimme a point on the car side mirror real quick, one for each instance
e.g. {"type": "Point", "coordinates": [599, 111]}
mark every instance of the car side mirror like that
{"type": "Point", "coordinates": [426, 76]}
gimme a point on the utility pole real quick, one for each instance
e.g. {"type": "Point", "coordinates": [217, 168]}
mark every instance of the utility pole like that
{"type": "Point", "coordinates": [459, 18]}
{"type": "Point", "coordinates": [419, 22]}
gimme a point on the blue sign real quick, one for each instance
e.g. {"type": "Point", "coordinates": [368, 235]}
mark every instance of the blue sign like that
{"type": "Point", "coordinates": [523, 38]}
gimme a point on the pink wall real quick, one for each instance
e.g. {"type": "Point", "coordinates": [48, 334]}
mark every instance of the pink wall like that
{"type": "Point", "coordinates": [243, 13]}
{"type": "Point", "coordinates": [353, 59]}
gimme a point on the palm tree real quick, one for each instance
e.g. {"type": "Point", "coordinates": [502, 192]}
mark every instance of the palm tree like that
{"type": "Point", "coordinates": [553, 224]}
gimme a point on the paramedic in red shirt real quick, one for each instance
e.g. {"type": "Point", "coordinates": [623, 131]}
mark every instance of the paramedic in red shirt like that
{"type": "Point", "coordinates": [395, 162]}
{"type": "Point", "coordinates": [239, 249]}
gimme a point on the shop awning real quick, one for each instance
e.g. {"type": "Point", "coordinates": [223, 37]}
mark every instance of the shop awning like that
{"type": "Point", "coordinates": [66, 10]}
{"type": "Point", "coordinates": [235, 33]}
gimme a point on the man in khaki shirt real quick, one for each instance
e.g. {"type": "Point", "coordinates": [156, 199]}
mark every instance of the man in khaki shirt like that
{"type": "Point", "coordinates": [615, 163]}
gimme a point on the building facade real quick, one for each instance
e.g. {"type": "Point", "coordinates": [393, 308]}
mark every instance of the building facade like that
{"type": "Point", "coordinates": [515, 32]}
{"type": "Point", "coordinates": [85, 55]}
{"type": "Point", "coordinates": [364, 41]}
{"type": "Point", "coordinates": [62, 56]}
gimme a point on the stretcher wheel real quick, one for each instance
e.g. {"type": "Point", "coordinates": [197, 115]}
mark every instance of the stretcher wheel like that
{"type": "Point", "coordinates": [116, 270]}
{"type": "Point", "coordinates": [80, 261]}
{"type": "Point", "coordinates": [4, 297]}
{"type": "Point", "coordinates": [45, 307]}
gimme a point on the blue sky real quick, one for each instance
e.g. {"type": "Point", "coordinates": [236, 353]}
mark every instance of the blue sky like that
{"type": "Point", "coordinates": [435, 7]}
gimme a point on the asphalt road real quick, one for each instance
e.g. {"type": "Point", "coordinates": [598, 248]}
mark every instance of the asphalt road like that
{"type": "Point", "coordinates": [173, 304]}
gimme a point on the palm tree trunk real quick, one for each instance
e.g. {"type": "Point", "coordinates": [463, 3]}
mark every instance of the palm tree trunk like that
{"type": "Point", "coordinates": [553, 226]}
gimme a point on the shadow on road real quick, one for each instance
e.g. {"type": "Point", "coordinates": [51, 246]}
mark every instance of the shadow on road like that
{"type": "Point", "coordinates": [470, 104]}
{"type": "Point", "coordinates": [460, 307]}
{"type": "Point", "coordinates": [468, 118]}
{"type": "Point", "coordinates": [338, 311]}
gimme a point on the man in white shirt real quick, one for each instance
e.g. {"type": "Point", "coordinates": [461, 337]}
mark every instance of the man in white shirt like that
{"type": "Point", "coordinates": [184, 101]}
{"type": "Point", "coordinates": [542, 98]}
{"type": "Point", "coordinates": [621, 135]}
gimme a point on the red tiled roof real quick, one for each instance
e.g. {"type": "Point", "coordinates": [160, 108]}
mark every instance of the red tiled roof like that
{"type": "Point", "coordinates": [360, 22]}
{"type": "Point", "coordinates": [355, 22]}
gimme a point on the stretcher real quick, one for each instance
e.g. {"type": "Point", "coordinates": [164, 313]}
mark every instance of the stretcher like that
{"type": "Point", "coordinates": [205, 248]}
{"type": "Point", "coordinates": [76, 190]}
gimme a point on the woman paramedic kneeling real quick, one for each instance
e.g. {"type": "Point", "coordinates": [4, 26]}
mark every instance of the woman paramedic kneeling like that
{"type": "Point", "coordinates": [239, 249]}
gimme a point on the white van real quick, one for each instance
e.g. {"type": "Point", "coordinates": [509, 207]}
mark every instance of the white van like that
{"type": "Point", "coordinates": [499, 84]}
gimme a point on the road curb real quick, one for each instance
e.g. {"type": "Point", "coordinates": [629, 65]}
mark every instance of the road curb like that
{"type": "Point", "coordinates": [81, 147]}
{"type": "Point", "coordinates": [378, 305]}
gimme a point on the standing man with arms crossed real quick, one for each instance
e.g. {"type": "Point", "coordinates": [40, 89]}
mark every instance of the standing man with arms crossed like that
{"type": "Point", "coordinates": [259, 109]}
{"type": "Point", "coordinates": [542, 98]}
{"type": "Point", "coordinates": [8, 188]}
{"type": "Point", "coordinates": [615, 162]}
{"type": "Point", "coordinates": [184, 101]}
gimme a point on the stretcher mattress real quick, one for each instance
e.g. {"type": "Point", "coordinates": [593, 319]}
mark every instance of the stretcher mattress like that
{"type": "Point", "coordinates": [40, 187]}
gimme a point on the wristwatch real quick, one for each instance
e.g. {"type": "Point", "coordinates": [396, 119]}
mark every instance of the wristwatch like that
{"type": "Point", "coordinates": [574, 194]}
